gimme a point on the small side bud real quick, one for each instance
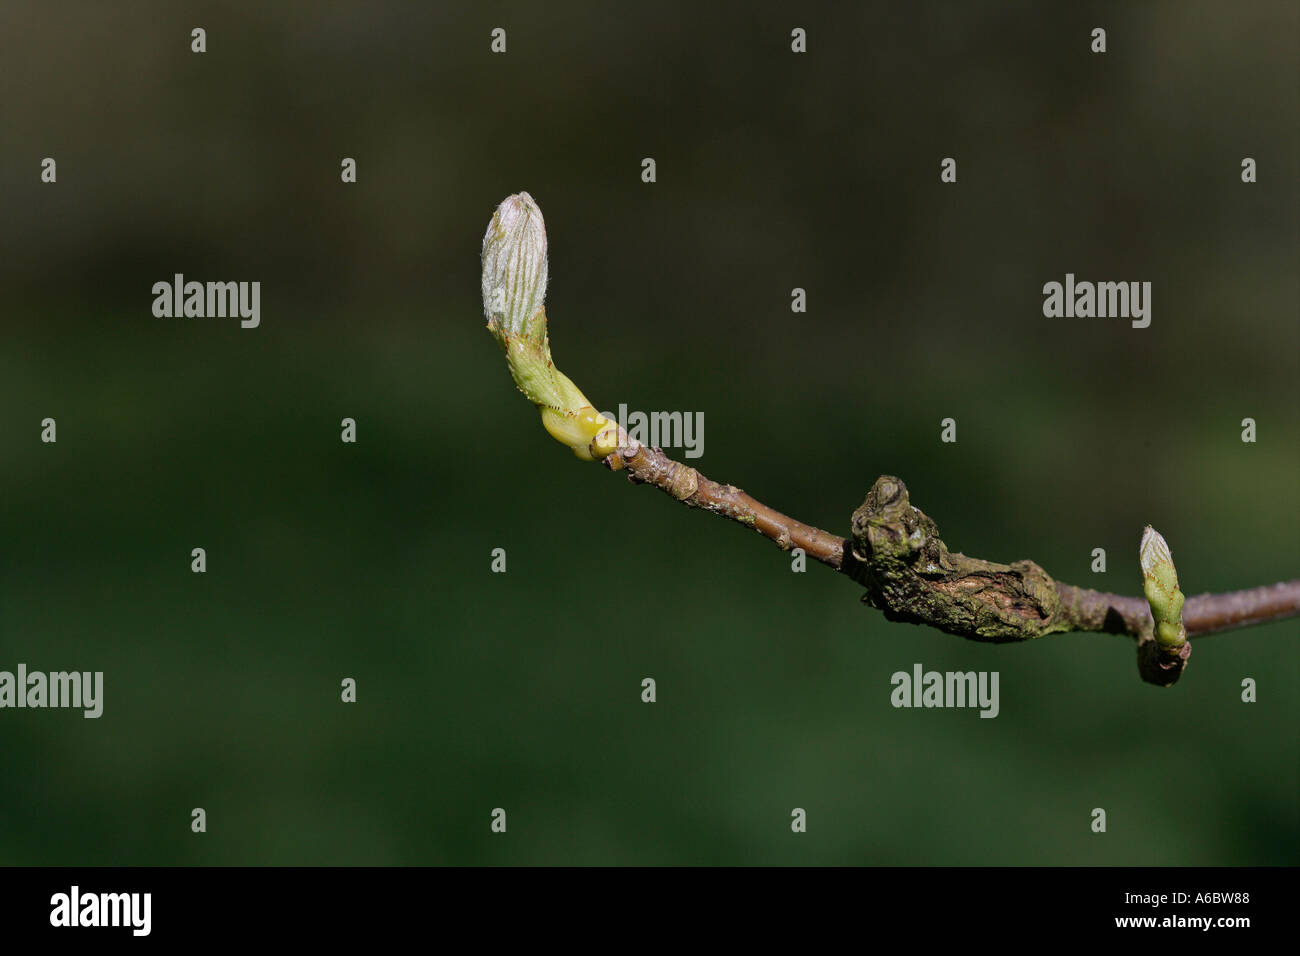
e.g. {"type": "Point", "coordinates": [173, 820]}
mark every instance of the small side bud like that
{"type": "Point", "coordinates": [1160, 585]}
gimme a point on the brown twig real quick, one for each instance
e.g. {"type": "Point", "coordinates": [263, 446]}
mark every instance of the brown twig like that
{"type": "Point", "coordinates": [896, 553]}
{"type": "Point", "coordinates": [1202, 614]}
{"type": "Point", "coordinates": [650, 466]}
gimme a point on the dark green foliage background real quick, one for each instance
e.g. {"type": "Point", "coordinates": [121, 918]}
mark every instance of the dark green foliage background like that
{"type": "Point", "coordinates": [522, 690]}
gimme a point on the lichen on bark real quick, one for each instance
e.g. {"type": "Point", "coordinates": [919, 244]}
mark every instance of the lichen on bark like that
{"type": "Point", "coordinates": [911, 576]}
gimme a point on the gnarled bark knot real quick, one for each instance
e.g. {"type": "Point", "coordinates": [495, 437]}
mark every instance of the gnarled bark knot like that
{"type": "Point", "coordinates": [910, 575]}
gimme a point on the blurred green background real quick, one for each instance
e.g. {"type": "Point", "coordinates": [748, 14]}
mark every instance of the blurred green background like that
{"type": "Point", "coordinates": [522, 690]}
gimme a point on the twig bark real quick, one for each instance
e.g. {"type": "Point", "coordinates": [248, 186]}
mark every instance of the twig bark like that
{"type": "Point", "coordinates": [896, 554]}
{"type": "Point", "coordinates": [650, 466]}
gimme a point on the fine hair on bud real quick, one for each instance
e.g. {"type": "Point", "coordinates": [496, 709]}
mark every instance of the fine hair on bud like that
{"type": "Point", "coordinates": [514, 266]}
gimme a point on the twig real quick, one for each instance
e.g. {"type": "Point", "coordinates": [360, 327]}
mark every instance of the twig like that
{"type": "Point", "coordinates": [896, 554]}
{"type": "Point", "coordinates": [650, 466]}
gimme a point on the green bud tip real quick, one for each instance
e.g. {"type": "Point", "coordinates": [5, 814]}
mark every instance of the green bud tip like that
{"type": "Point", "coordinates": [1160, 585]}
